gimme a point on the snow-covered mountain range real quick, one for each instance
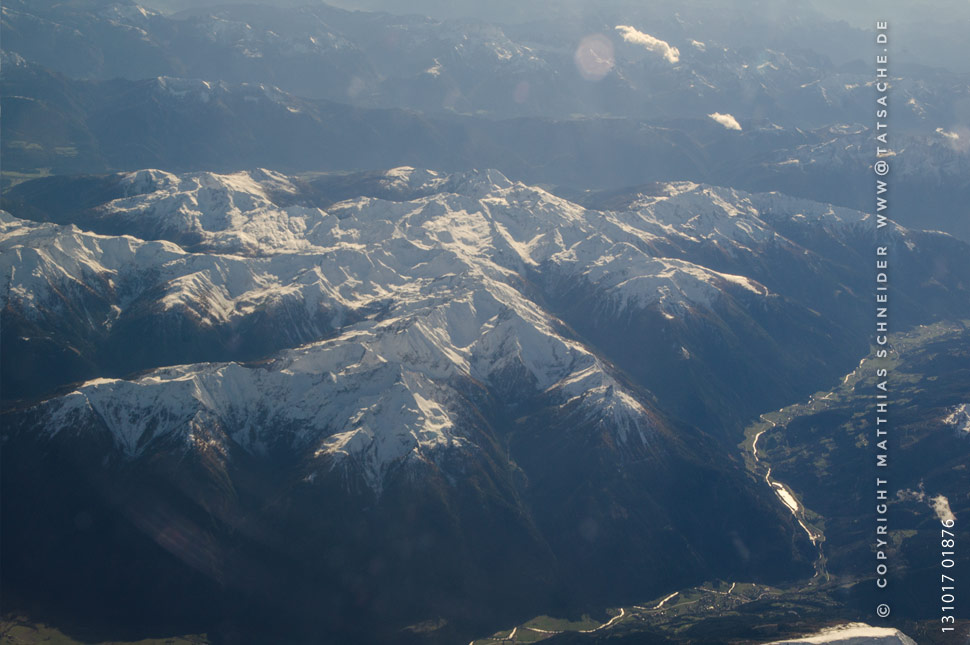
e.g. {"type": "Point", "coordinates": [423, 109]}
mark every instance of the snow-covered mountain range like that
{"type": "Point", "coordinates": [433, 284]}
{"type": "Point", "coordinates": [550, 378]}
{"type": "Point", "coordinates": [414, 295]}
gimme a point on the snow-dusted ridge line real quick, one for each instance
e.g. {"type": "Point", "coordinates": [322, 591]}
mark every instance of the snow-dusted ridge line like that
{"type": "Point", "coordinates": [360, 251]}
{"type": "Point", "coordinates": [477, 215]}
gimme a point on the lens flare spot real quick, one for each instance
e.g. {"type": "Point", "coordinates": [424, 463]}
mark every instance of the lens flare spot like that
{"type": "Point", "coordinates": [594, 57]}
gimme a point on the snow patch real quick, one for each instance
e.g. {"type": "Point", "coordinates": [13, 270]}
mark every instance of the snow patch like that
{"type": "Point", "coordinates": [941, 506]}
{"type": "Point", "coordinates": [854, 634]}
{"type": "Point", "coordinates": [959, 418]}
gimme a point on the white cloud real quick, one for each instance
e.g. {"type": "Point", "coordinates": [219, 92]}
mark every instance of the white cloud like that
{"type": "Point", "coordinates": [631, 35]}
{"type": "Point", "coordinates": [952, 136]}
{"type": "Point", "coordinates": [957, 138]}
{"type": "Point", "coordinates": [942, 507]}
{"type": "Point", "coordinates": [726, 120]}
{"type": "Point", "coordinates": [699, 45]}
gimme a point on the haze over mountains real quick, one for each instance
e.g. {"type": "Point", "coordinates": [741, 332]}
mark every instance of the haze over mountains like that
{"type": "Point", "coordinates": [325, 89]}
{"type": "Point", "coordinates": [324, 325]}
